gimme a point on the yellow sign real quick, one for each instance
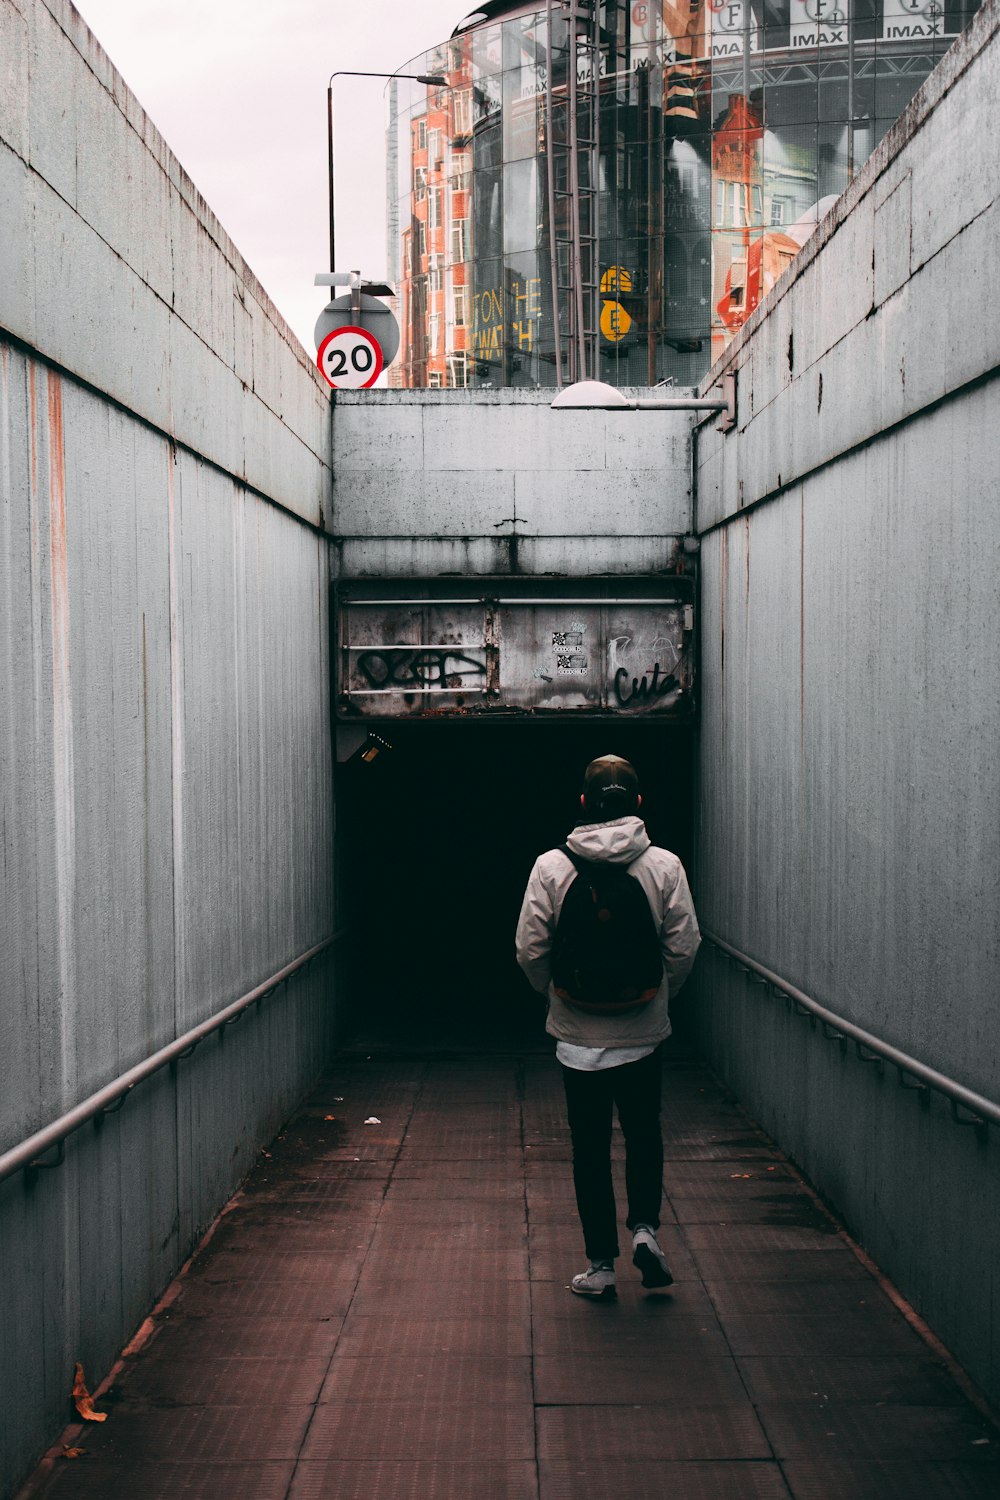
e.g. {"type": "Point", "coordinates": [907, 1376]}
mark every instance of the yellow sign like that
{"type": "Point", "coordinates": [491, 334]}
{"type": "Point", "coordinates": [615, 322]}
{"type": "Point", "coordinates": [616, 279]}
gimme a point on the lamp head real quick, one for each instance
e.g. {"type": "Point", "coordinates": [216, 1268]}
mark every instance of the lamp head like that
{"type": "Point", "coordinates": [589, 395]}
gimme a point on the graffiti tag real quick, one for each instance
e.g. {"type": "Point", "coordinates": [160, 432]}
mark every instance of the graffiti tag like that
{"type": "Point", "coordinates": [412, 670]}
{"type": "Point", "coordinates": [635, 688]}
{"type": "Point", "coordinates": [642, 688]}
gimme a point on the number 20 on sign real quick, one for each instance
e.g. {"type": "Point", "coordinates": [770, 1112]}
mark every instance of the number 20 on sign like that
{"type": "Point", "coordinates": [350, 358]}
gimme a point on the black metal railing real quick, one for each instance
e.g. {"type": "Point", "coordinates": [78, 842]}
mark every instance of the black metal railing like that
{"type": "Point", "coordinates": [108, 1100]}
{"type": "Point", "coordinates": [967, 1107]}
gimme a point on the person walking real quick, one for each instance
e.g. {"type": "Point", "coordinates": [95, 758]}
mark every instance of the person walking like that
{"type": "Point", "coordinates": [609, 959]}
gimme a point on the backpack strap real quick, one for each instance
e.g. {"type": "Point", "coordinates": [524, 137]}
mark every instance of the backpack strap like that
{"type": "Point", "coordinates": [575, 859]}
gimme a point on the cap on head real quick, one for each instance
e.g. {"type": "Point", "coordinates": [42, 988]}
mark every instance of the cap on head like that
{"type": "Point", "coordinates": [610, 789]}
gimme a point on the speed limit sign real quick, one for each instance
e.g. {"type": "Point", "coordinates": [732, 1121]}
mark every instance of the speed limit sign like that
{"type": "Point", "coordinates": [350, 358]}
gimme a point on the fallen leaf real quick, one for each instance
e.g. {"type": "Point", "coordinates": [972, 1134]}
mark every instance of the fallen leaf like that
{"type": "Point", "coordinates": [74, 1453]}
{"type": "Point", "coordinates": [82, 1400]}
{"type": "Point", "coordinates": [734, 1175]}
{"type": "Point", "coordinates": [329, 1117]}
{"type": "Point", "coordinates": [373, 1120]}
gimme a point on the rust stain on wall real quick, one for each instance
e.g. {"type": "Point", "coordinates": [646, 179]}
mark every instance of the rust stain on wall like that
{"type": "Point", "coordinates": [33, 414]}
{"type": "Point", "coordinates": [58, 558]}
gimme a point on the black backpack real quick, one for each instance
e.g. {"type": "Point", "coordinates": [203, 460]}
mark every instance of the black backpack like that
{"type": "Point", "coordinates": [606, 954]}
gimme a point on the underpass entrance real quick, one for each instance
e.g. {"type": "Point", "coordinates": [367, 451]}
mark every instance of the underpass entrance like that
{"type": "Point", "coordinates": [436, 839]}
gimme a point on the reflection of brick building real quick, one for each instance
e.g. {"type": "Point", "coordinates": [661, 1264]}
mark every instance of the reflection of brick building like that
{"type": "Point", "coordinates": [764, 209]}
{"type": "Point", "coordinates": [434, 288]}
{"type": "Point", "coordinates": [737, 214]}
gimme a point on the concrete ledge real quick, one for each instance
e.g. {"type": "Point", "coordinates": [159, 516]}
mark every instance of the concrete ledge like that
{"type": "Point", "coordinates": [520, 556]}
{"type": "Point", "coordinates": [440, 463]}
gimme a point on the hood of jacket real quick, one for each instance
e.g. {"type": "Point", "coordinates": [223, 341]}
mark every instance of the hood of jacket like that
{"type": "Point", "coordinates": [618, 842]}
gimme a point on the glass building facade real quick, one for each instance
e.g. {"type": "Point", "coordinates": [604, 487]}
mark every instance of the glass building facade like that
{"type": "Point", "coordinates": [608, 189]}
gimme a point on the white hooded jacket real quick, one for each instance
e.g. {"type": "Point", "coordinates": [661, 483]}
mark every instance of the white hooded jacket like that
{"type": "Point", "coordinates": [661, 875]}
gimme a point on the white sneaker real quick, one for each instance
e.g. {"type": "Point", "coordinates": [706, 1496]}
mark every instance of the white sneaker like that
{"type": "Point", "coordinates": [650, 1259]}
{"type": "Point", "coordinates": [596, 1281]}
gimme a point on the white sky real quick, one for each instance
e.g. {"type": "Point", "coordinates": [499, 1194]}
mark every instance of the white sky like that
{"type": "Point", "coordinates": [239, 92]}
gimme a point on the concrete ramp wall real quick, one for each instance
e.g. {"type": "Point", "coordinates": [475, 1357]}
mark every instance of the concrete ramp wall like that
{"type": "Point", "coordinates": [493, 482]}
{"type": "Point", "coordinates": [164, 751]}
{"type": "Point", "coordinates": [849, 794]}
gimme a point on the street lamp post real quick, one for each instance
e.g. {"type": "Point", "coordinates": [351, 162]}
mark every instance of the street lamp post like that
{"type": "Point", "coordinates": [597, 395]}
{"type": "Point", "coordinates": [437, 79]}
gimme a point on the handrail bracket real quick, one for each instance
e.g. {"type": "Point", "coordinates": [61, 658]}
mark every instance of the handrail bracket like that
{"type": "Point", "coordinates": [967, 1107]}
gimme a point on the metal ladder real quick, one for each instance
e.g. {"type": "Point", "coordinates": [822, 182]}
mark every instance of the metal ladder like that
{"type": "Point", "coordinates": [572, 141]}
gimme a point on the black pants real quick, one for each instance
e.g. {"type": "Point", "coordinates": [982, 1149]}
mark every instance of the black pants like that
{"type": "Point", "coordinates": [634, 1089]}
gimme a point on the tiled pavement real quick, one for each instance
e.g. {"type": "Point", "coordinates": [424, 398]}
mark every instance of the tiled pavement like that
{"type": "Point", "coordinates": [383, 1314]}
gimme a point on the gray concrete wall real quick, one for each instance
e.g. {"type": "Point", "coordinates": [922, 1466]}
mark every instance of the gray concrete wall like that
{"type": "Point", "coordinates": [494, 482]}
{"type": "Point", "coordinates": [164, 746]}
{"type": "Point", "coordinates": [116, 269]}
{"type": "Point", "coordinates": [850, 803]}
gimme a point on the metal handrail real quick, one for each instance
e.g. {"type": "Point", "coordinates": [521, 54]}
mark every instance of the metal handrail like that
{"type": "Point", "coordinates": [113, 1095]}
{"type": "Point", "coordinates": [982, 1110]}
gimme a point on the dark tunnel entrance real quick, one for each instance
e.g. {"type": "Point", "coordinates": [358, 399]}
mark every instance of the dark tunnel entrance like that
{"type": "Point", "coordinates": [436, 839]}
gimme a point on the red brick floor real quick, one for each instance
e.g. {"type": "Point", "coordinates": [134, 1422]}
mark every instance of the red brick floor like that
{"type": "Point", "coordinates": [382, 1314]}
